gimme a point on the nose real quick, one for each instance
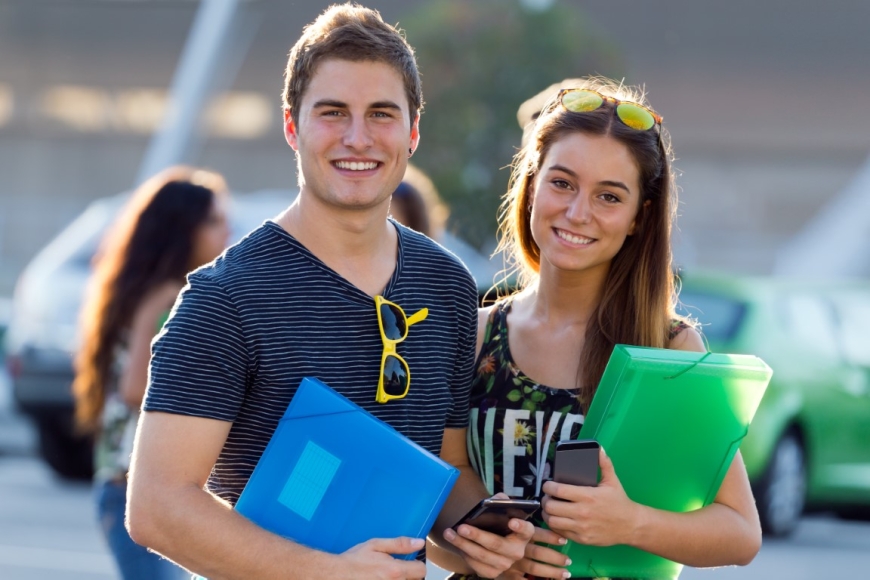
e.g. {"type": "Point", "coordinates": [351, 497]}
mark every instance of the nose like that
{"type": "Point", "coordinates": [357, 135]}
{"type": "Point", "coordinates": [579, 209]}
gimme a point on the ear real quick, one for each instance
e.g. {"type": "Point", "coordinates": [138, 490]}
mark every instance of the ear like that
{"type": "Point", "coordinates": [633, 227]}
{"type": "Point", "coordinates": [290, 130]}
{"type": "Point", "coordinates": [530, 189]}
{"type": "Point", "coordinates": [415, 133]}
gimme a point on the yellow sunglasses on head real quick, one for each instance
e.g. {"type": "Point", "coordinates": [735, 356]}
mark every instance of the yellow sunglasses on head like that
{"type": "Point", "coordinates": [395, 376]}
{"type": "Point", "coordinates": [631, 114]}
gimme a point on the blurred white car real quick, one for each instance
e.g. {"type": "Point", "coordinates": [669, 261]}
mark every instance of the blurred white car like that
{"type": "Point", "coordinates": [42, 333]}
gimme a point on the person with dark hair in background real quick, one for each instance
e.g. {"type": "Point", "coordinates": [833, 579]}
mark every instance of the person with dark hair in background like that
{"type": "Point", "coordinates": [417, 205]}
{"type": "Point", "coordinates": [175, 222]}
{"type": "Point", "coordinates": [587, 220]}
{"type": "Point", "coordinates": [297, 298]}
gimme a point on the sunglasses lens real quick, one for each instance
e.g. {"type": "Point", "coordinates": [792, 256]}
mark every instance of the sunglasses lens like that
{"type": "Point", "coordinates": [395, 376]}
{"type": "Point", "coordinates": [393, 320]}
{"type": "Point", "coordinates": [581, 101]}
{"type": "Point", "coordinates": [635, 117]}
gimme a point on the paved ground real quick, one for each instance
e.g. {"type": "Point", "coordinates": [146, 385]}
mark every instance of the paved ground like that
{"type": "Point", "coordinates": [48, 531]}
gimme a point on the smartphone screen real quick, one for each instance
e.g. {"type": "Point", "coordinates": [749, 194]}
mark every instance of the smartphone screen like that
{"type": "Point", "coordinates": [576, 462]}
{"type": "Point", "coordinates": [493, 515]}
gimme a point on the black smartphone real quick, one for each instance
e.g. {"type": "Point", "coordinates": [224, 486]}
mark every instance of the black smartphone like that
{"type": "Point", "coordinates": [576, 462]}
{"type": "Point", "coordinates": [493, 515]}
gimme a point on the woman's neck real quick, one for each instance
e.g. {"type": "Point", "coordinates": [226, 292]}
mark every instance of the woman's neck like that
{"type": "Point", "coordinates": [560, 298]}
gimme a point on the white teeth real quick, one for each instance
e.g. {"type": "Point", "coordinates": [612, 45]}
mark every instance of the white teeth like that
{"type": "Point", "coordinates": [356, 165]}
{"type": "Point", "coordinates": [573, 239]}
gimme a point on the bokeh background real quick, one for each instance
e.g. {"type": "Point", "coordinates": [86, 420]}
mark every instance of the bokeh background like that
{"type": "Point", "coordinates": [767, 104]}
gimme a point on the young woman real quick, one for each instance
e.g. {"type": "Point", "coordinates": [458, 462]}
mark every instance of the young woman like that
{"type": "Point", "coordinates": [174, 223]}
{"type": "Point", "coordinates": [588, 219]}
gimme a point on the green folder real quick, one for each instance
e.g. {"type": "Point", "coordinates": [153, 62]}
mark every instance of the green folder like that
{"type": "Point", "coordinates": [671, 422]}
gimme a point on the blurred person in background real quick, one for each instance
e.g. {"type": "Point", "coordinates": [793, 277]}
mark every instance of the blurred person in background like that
{"type": "Point", "coordinates": [530, 109]}
{"type": "Point", "coordinates": [174, 222]}
{"type": "Point", "coordinates": [417, 205]}
{"type": "Point", "coordinates": [587, 220]}
{"type": "Point", "coordinates": [297, 298]}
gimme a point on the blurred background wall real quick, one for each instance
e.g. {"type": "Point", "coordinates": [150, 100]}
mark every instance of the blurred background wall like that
{"type": "Point", "coordinates": [766, 102]}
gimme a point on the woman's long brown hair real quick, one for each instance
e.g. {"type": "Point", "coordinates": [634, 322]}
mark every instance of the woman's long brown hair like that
{"type": "Point", "coordinates": [150, 243]}
{"type": "Point", "coordinates": [638, 297]}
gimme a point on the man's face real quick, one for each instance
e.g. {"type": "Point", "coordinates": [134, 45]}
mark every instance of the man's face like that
{"type": "Point", "coordinates": [353, 134]}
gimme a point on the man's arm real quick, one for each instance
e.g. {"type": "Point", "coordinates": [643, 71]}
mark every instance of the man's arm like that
{"type": "Point", "coordinates": [170, 511]}
{"type": "Point", "coordinates": [472, 549]}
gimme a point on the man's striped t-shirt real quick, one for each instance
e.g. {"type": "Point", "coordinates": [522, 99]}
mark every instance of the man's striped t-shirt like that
{"type": "Point", "coordinates": [248, 327]}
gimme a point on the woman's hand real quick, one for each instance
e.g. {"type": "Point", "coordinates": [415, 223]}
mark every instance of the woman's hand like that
{"type": "Point", "coordinates": [540, 561]}
{"type": "Point", "coordinates": [595, 516]}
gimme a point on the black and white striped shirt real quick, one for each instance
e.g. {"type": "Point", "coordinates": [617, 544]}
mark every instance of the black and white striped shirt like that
{"type": "Point", "coordinates": [247, 328]}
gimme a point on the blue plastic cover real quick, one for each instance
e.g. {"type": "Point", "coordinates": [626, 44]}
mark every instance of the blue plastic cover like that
{"type": "Point", "coordinates": [333, 476]}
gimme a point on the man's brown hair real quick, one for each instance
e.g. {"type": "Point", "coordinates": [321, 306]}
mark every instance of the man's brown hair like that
{"type": "Point", "coordinates": [355, 33]}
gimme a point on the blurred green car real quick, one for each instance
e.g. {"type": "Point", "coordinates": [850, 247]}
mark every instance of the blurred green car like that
{"type": "Point", "coordinates": [809, 444]}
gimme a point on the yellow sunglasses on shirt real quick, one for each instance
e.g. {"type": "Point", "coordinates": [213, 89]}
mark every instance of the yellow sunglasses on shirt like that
{"type": "Point", "coordinates": [395, 379]}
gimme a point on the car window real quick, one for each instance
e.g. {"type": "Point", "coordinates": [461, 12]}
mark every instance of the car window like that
{"type": "Point", "coordinates": [854, 318]}
{"type": "Point", "coordinates": [720, 316]}
{"type": "Point", "coordinates": [811, 322]}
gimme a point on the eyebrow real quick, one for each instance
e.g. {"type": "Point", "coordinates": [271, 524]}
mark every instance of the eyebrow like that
{"type": "Point", "coordinates": [606, 182]}
{"type": "Point", "coordinates": [385, 105]}
{"type": "Point", "coordinates": [342, 105]}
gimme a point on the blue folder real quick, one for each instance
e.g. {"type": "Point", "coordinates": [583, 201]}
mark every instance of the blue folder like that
{"type": "Point", "coordinates": [333, 476]}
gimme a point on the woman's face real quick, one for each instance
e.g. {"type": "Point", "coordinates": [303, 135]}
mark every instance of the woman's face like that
{"type": "Point", "coordinates": [212, 236]}
{"type": "Point", "coordinates": [586, 196]}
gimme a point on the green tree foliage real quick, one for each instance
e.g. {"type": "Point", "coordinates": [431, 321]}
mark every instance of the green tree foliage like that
{"type": "Point", "coordinates": [480, 60]}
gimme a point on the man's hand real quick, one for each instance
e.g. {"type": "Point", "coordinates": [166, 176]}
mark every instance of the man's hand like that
{"type": "Point", "coordinates": [373, 560]}
{"type": "Point", "coordinates": [490, 555]}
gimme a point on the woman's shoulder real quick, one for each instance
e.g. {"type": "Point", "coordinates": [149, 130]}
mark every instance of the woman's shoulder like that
{"type": "Point", "coordinates": [484, 315]}
{"type": "Point", "coordinates": [158, 300]}
{"type": "Point", "coordinates": [676, 326]}
{"type": "Point", "coordinates": [490, 314]}
{"type": "Point", "coordinates": [163, 295]}
{"type": "Point", "coordinates": [489, 320]}
{"type": "Point", "coordinates": [684, 336]}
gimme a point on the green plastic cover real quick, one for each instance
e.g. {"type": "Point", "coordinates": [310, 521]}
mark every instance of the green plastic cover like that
{"type": "Point", "coordinates": [671, 422]}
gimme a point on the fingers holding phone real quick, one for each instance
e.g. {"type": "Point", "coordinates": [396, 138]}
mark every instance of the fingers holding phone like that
{"type": "Point", "coordinates": [583, 507]}
{"type": "Point", "coordinates": [493, 535]}
{"type": "Point", "coordinates": [540, 560]}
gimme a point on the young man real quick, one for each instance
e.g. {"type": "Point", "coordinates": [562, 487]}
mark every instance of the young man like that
{"type": "Point", "coordinates": [295, 299]}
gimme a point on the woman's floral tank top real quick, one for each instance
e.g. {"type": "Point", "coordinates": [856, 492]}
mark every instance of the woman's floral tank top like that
{"type": "Point", "coordinates": [514, 422]}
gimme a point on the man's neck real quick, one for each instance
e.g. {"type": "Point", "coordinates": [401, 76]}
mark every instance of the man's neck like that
{"type": "Point", "coordinates": [361, 245]}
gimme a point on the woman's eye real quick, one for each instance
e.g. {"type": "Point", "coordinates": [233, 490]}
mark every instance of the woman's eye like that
{"type": "Point", "coordinates": [561, 184]}
{"type": "Point", "coordinates": [609, 197]}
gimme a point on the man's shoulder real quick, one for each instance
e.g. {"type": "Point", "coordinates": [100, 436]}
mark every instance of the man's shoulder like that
{"type": "Point", "coordinates": [418, 247]}
{"type": "Point", "coordinates": [246, 259]}
{"type": "Point", "coordinates": [428, 266]}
